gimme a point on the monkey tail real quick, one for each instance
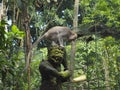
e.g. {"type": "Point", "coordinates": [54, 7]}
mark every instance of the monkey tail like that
{"type": "Point", "coordinates": [37, 41]}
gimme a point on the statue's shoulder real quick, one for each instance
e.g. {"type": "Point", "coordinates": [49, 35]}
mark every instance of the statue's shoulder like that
{"type": "Point", "coordinates": [45, 63]}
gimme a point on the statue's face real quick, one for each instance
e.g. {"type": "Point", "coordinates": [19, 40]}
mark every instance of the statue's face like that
{"type": "Point", "coordinates": [56, 59]}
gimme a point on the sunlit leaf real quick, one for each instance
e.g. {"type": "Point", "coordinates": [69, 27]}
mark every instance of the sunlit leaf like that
{"type": "Point", "coordinates": [14, 29]}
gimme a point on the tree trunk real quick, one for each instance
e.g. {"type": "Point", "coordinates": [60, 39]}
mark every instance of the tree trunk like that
{"type": "Point", "coordinates": [73, 44]}
{"type": "Point", "coordinates": [1, 9]}
{"type": "Point", "coordinates": [106, 70]}
{"type": "Point", "coordinates": [28, 51]}
{"type": "Point", "coordinates": [28, 43]}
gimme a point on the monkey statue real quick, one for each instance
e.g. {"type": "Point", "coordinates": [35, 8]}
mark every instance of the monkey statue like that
{"type": "Point", "coordinates": [58, 35]}
{"type": "Point", "coordinates": [50, 70]}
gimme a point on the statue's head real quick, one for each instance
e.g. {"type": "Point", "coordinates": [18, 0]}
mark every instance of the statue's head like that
{"type": "Point", "coordinates": [56, 54]}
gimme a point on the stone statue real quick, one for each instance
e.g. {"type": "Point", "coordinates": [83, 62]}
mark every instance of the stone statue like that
{"type": "Point", "coordinates": [50, 69]}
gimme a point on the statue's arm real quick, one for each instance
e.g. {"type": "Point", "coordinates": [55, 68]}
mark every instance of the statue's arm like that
{"type": "Point", "coordinates": [49, 69]}
{"type": "Point", "coordinates": [54, 72]}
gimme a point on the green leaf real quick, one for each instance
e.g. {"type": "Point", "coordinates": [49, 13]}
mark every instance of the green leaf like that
{"type": "Point", "coordinates": [102, 5]}
{"type": "Point", "coordinates": [15, 29]}
{"type": "Point", "coordinates": [17, 33]}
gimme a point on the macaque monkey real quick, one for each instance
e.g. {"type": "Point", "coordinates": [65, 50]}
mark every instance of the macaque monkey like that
{"type": "Point", "coordinates": [58, 35]}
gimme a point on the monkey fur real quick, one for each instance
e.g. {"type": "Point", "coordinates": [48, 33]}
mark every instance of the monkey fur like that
{"type": "Point", "coordinates": [58, 35]}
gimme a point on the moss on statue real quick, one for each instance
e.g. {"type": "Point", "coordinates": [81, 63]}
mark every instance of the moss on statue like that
{"type": "Point", "coordinates": [55, 51]}
{"type": "Point", "coordinates": [52, 76]}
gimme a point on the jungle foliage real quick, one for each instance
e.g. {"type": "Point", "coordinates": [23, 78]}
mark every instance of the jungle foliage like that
{"type": "Point", "coordinates": [97, 47]}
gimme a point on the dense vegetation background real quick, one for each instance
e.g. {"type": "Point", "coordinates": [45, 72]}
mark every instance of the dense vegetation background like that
{"type": "Point", "coordinates": [97, 47]}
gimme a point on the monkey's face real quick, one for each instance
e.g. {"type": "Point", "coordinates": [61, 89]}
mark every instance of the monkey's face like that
{"type": "Point", "coordinates": [72, 37]}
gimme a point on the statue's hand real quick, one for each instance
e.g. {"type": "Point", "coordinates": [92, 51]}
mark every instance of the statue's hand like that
{"type": "Point", "coordinates": [65, 73]}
